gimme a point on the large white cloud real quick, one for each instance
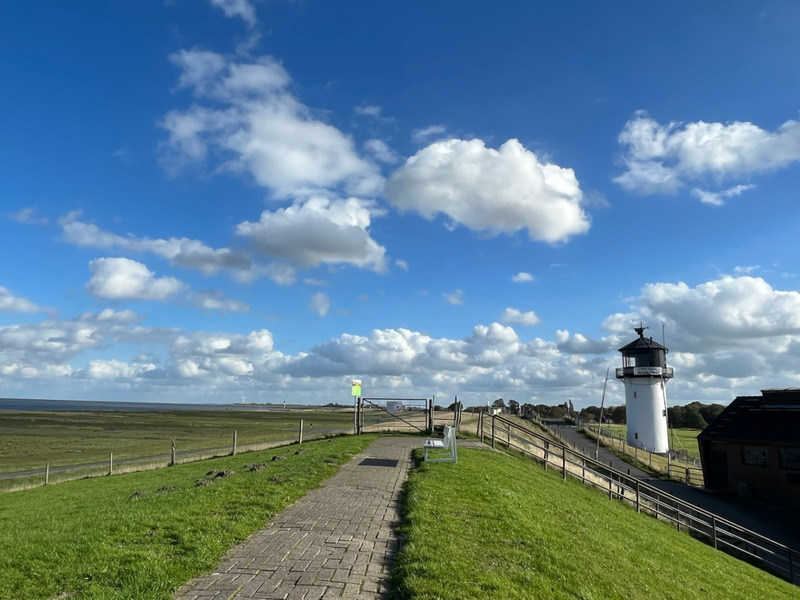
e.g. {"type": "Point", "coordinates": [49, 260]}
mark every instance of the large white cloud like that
{"type": "Point", "coordinates": [253, 123]}
{"type": "Point", "coordinates": [123, 278]}
{"type": "Point", "coordinates": [318, 231]}
{"type": "Point", "coordinates": [662, 158]}
{"type": "Point", "coordinates": [733, 333]}
{"type": "Point", "coordinates": [488, 190]}
{"type": "Point", "coordinates": [730, 336]}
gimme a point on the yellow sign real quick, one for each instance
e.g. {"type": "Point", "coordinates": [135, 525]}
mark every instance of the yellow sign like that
{"type": "Point", "coordinates": [356, 387]}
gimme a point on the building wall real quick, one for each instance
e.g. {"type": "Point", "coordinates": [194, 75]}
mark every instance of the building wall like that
{"type": "Point", "coordinates": [753, 469]}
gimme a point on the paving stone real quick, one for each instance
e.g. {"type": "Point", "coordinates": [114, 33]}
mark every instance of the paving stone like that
{"type": "Point", "coordinates": [336, 542]}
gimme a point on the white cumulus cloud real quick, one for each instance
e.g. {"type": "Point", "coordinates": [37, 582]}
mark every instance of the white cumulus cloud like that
{"type": "Point", "coordinates": [318, 231]}
{"type": "Point", "coordinates": [522, 277]}
{"type": "Point", "coordinates": [492, 191]}
{"type": "Point", "coordinates": [184, 252]}
{"type": "Point", "coordinates": [662, 158]}
{"type": "Point", "coordinates": [515, 316]}
{"type": "Point", "coordinates": [252, 123]}
{"type": "Point", "coordinates": [123, 278]}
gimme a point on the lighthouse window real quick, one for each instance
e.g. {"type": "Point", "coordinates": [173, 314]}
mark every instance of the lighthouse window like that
{"type": "Point", "coordinates": [634, 394]}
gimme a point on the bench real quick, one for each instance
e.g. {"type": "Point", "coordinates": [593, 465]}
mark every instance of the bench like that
{"type": "Point", "coordinates": [446, 444]}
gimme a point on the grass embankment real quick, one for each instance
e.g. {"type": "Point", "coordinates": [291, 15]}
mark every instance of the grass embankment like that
{"type": "Point", "coordinates": [29, 439]}
{"type": "Point", "coordinates": [143, 535]}
{"type": "Point", "coordinates": [495, 527]}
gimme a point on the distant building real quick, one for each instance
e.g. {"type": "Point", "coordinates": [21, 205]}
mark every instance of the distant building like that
{"type": "Point", "coordinates": [753, 448]}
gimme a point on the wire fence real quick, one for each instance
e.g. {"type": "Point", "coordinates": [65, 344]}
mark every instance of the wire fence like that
{"type": "Point", "coordinates": [50, 474]}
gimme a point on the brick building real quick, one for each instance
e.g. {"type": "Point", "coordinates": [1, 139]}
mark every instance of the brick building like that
{"type": "Point", "coordinates": [753, 448]}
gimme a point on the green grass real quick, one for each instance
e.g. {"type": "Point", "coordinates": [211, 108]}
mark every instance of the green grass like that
{"type": "Point", "coordinates": [93, 539]}
{"type": "Point", "coordinates": [496, 527]}
{"type": "Point", "coordinates": [29, 439]}
{"type": "Point", "coordinates": [679, 439]}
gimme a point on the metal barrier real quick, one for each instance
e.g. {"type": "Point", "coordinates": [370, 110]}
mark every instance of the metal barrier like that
{"type": "Point", "coordinates": [720, 533]}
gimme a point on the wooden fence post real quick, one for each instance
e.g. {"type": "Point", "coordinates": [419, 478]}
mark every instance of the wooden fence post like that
{"type": "Point", "coordinates": [300, 433]}
{"type": "Point", "coordinates": [638, 495]}
{"type": "Point", "coordinates": [493, 419]}
{"type": "Point", "coordinates": [47, 472]}
{"type": "Point", "coordinates": [110, 463]}
{"type": "Point", "coordinates": [235, 439]}
{"type": "Point", "coordinates": [480, 426]}
{"type": "Point", "coordinates": [564, 461]}
{"type": "Point", "coordinates": [172, 452]}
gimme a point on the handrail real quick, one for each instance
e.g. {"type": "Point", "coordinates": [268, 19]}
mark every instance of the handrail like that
{"type": "Point", "coordinates": [719, 532]}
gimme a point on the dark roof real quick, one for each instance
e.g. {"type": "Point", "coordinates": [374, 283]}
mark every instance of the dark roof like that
{"type": "Point", "coordinates": [643, 343]}
{"type": "Point", "coordinates": [772, 418]}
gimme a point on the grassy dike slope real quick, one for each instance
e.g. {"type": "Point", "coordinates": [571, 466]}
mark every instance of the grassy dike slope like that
{"type": "Point", "coordinates": [494, 526]}
{"type": "Point", "coordinates": [142, 535]}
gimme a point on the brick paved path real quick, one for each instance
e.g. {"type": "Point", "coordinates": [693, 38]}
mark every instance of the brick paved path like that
{"type": "Point", "coordinates": [336, 542]}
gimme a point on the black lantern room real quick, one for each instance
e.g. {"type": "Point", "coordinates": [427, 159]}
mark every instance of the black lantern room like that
{"type": "Point", "coordinates": [644, 358]}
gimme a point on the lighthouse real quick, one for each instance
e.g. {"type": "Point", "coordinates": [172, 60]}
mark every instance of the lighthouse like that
{"type": "Point", "coordinates": [645, 372]}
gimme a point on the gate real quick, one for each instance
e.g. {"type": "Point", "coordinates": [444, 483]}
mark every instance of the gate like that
{"type": "Point", "coordinates": [378, 414]}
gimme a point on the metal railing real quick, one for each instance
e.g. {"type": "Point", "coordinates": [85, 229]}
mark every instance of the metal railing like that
{"type": "Point", "coordinates": [720, 533]}
{"type": "Point", "coordinates": [680, 469]}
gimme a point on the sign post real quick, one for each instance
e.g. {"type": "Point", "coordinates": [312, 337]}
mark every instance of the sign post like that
{"type": "Point", "coordinates": [355, 390]}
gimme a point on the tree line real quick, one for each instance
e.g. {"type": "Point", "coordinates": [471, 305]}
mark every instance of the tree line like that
{"type": "Point", "coordinates": [694, 415]}
{"type": "Point", "coordinates": [691, 416]}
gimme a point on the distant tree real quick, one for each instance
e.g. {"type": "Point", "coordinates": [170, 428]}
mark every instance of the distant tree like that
{"type": "Point", "coordinates": [711, 411]}
{"type": "Point", "coordinates": [616, 413]}
{"type": "Point", "coordinates": [676, 416]}
{"type": "Point", "coordinates": [693, 419]}
{"type": "Point", "coordinates": [513, 406]}
{"type": "Point", "coordinates": [694, 415]}
{"type": "Point", "coordinates": [499, 403]}
{"type": "Point", "coordinates": [454, 406]}
{"type": "Point", "coordinates": [590, 413]}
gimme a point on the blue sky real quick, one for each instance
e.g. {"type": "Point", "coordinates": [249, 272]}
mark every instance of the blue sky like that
{"type": "Point", "coordinates": [214, 199]}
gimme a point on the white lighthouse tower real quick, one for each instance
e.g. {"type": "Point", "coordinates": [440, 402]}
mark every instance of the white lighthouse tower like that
{"type": "Point", "coordinates": [645, 372]}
